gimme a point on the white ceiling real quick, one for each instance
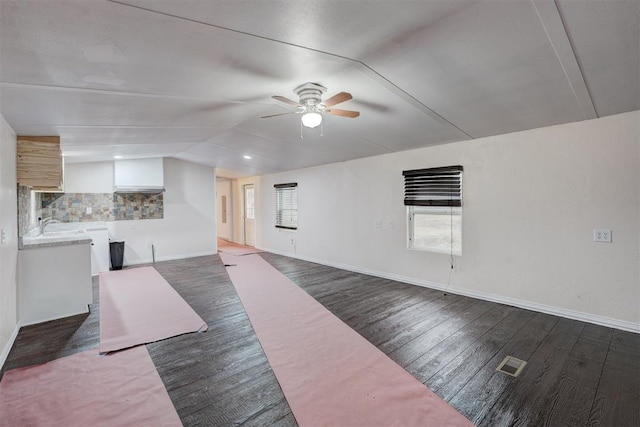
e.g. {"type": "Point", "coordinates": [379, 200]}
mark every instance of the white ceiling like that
{"type": "Point", "coordinates": [190, 79]}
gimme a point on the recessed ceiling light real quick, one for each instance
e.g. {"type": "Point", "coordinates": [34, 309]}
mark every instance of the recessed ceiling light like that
{"type": "Point", "coordinates": [117, 157]}
{"type": "Point", "coordinates": [247, 157]}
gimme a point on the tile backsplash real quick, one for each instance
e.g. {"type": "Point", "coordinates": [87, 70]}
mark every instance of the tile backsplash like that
{"type": "Point", "coordinates": [138, 206]}
{"type": "Point", "coordinates": [29, 203]}
{"type": "Point", "coordinates": [81, 207]}
{"type": "Point", "coordinates": [72, 207]}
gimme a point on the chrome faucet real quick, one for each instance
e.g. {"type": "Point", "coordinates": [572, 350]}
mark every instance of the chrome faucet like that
{"type": "Point", "coordinates": [45, 222]}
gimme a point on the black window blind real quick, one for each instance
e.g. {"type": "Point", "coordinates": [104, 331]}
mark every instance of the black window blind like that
{"type": "Point", "coordinates": [433, 187]}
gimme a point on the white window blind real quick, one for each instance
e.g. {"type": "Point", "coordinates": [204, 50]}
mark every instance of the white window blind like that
{"type": "Point", "coordinates": [287, 206]}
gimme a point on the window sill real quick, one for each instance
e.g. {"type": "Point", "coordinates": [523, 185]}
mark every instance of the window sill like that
{"type": "Point", "coordinates": [437, 251]}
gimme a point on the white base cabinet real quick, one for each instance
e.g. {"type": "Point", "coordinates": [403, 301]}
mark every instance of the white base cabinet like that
{"type": "Point", "coordinates": [54, 282]}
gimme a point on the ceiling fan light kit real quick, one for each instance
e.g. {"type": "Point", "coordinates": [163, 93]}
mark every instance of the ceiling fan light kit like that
{"type": "Point", "coordinates": [311, 105]}
{"type": "Point", "coordinates": [311, 119]}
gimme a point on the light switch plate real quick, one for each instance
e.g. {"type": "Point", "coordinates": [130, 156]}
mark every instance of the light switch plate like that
{"type": "Point", "coordinates": [602, 235]}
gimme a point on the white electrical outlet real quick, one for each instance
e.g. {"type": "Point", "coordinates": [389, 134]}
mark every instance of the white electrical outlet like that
{"type": "Point", "coordinates": [602, 235]}
{"type": "Point", "coordinates": [3, 237]}
{"type": "Point", "coordinates": [293, 242]}
{"type": "Point", "coordinates": [390, 223]}
{"type": "Point", "coordinates": [89, 210]}
{"type": "Point", "coordinates": [378, 223]}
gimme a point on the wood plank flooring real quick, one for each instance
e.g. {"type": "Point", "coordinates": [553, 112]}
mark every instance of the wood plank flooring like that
{"type": "Point", "coordinates": [577, 374]}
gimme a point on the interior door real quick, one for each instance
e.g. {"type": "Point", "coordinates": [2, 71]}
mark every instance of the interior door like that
{"type": "Point", "coordinates": [249, 214]}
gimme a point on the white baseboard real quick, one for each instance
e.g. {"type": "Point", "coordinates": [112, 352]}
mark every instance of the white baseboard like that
{"type": "Point", "coordinates": [50, 318]}
{"type": "Point", "coordinates": [9, 344]}
{"type": "Point", "coordinates": [169, 258]}
{"type": "Point", "coordinates": [543, 308]}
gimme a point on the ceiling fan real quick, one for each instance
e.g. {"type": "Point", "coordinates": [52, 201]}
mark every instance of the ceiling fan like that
{"type": "Point", "coordinates": [311, 105]}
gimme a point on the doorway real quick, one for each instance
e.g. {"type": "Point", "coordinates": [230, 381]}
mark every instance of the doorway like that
{"type": "Point", "coordinates": [224, 215]}
{"type": "Point", "coordinates": [249, 214]}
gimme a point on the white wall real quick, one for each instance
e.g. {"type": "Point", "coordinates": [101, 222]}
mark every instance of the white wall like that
{"type": "Point", "coordinates": [188, 227]}
{"type": "Point", "coordinates": [531, 202]}
{"type": "Point", "coordinates": [93, 177]}
{"type": "Point", "coordinates": [225, 228]}
{"type": "Point", "coordinates": [8, 249]}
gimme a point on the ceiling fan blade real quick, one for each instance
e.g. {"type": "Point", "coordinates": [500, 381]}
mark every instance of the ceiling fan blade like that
{"type": "Point", "coordinates": [286, 100]}
{"type": "Point", "coordinates": [343, 113]}
{"type": "Point", "coordinates": [337, 99]}
{"type": "Point", "coordinates": [276, 115]}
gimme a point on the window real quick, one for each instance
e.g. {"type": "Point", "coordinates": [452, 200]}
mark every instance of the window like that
{"type": "Point", "coordinates": [434, 207]}
{"type": "Point", "coordinates": [436, 229]}
{"type": "Point", "coordinates": [287, 206]}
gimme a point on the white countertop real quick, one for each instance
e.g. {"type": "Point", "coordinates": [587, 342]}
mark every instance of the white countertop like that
{"type": "Point", "coordinates": [60, 234]}
{"type": "Point", "coordinates": [75, 226]}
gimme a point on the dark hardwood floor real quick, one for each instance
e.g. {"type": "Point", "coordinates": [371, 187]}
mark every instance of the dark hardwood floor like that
{"type": "Point", "coordinates": [577, 374]}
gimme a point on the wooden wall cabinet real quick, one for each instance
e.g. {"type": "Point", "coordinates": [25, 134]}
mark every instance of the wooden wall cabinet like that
{"type": "Point", "coordinates": [39, 163]}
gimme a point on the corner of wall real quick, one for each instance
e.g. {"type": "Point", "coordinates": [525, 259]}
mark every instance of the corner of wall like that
{"type": "Point", "coordinates": [9, 344]}
{"type": "Point", "coordinates": [9, 324]}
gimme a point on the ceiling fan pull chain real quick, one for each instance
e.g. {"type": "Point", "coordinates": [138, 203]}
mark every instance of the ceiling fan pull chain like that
{"type": "Point", "coordinates": [301, 137]}
{"type": "Point", "coordinates": [321, 130]}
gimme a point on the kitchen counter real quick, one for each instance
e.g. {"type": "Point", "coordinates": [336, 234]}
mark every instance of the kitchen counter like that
{"type": "Point", "coordinates": [50, 240]}
{"type": "Point", "coordinates": [76, 226]}
{"type": "Point", "coordinates": [61, 234]}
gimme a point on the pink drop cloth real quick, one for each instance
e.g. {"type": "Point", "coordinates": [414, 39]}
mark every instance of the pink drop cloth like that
{"type": "Point", "coordinates": [330, 375]}
{"type": "Point", "coordinates": [138, 306]}
{"type": "Point", "coordinates": [235, 249]}
{"type": "Point", "coordinates": [86, 389]}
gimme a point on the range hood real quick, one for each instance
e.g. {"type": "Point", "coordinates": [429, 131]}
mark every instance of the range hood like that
{"type": "Point", "coordinates": [139, 176]}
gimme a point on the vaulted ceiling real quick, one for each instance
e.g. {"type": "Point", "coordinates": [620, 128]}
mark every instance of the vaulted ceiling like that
{"type": "Point", "coordinates": [191, 78]}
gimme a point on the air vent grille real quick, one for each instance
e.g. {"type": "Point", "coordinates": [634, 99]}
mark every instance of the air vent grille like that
{"type": "Point", "coordinates": [511, 366]}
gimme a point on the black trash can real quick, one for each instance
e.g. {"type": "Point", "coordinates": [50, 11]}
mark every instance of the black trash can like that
{"type": "Point", "coordinates": [116, 250]}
